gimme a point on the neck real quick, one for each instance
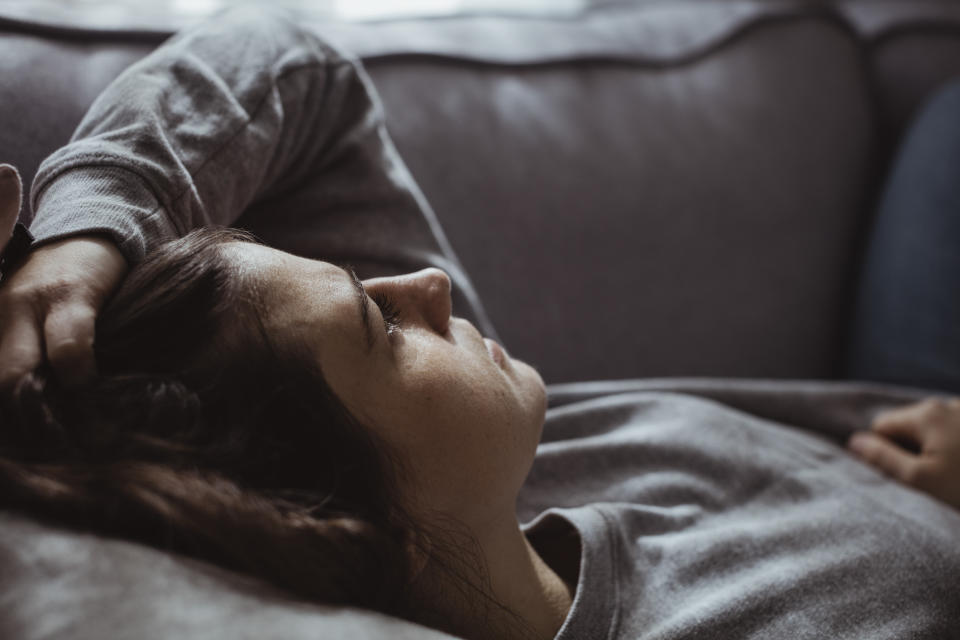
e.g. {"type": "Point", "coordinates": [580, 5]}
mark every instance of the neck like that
{"type": "Point", "coordinates": [518, 578]}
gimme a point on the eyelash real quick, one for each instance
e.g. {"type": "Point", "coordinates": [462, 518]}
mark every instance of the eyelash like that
{"type": "Point", "coordinates": [389, 311]}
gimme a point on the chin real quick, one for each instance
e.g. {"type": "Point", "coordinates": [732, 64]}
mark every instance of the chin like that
{"type": "Point", "coordinates": [534, 388]}
{"type": "Point", "coordinates": [535, 397]}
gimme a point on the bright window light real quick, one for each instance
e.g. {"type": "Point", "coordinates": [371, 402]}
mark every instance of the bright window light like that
{"type": "Point", "coordinates": [195, 7]}
{"type": "Point", "coordinates": [366, 9]}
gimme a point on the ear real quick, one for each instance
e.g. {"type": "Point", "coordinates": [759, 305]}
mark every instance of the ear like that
{"type": "Point", "coordinates": [10, 194]}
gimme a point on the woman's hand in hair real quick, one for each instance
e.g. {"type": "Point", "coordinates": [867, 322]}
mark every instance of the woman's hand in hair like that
{"type": "Point", "coordinates": [918, 444]}
{"type": "Point", "coordinates": [50, 304]}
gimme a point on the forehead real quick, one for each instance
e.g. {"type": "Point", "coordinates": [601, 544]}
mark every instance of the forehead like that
{"type": "Point", "coordinates": [272, 267]}
{"type": "Point", "coordinates": [297, 294]}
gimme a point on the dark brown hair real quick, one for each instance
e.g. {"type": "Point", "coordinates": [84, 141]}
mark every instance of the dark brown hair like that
{"type": "Point", "coordinates": [202, 436]}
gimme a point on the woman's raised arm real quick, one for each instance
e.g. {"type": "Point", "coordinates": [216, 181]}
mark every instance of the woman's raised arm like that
{"type": "Point", "coordinates": [222, 114]}
{"type": "Point", "coordinates": [242, 106]}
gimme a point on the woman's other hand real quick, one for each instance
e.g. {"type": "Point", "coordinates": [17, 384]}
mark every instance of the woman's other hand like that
{"type": "Point", "coordinates": [918, 444]}
{"type": "Point", "coordinates": [51, 303]}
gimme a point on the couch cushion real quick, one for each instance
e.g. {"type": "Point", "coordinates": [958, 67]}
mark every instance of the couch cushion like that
{"type": "Point", "coordinates": [52, 76]}
{"type": "Point", "coordinates": [57, 584]}
{"type": "Point", "coordinates": [913, 47]}
{"type": "Point", "coordinates": [665, 190]}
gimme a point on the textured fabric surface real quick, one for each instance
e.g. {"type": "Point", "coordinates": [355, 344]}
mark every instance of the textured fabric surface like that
{"type": "Point", "coordinates": [697, 520]}
{"type": "Point", "coordinates": [61, 585]}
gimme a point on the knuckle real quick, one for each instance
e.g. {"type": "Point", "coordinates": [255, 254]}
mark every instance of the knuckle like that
{"type": "Point", "coordinates": [883, 420]}
{"type": "Point", "coordinates": [889, 414]}
{"type": "Point", "coordinates": [68, 318]}
{"type": "Point", "coordinates": [28, 294]}
{"type": "Point", "coordinates": [56, 290]}
{"type": "Point", "coordinates": [933, 407]}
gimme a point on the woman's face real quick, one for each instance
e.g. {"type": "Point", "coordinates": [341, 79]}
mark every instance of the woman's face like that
{"type": "Point", "coordinates": [465, 416]}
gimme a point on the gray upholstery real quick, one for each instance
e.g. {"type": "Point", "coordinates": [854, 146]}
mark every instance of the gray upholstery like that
{"type": "Point", "coordinates": [52, 581]}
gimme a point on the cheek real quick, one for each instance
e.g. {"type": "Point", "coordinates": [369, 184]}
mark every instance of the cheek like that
{"type": "Point", "coordinates": [445, 416]}
{"type": "Point", "coordinates": [465, 436]}
{"type": "Point", "coordinates": [446, 385]}
{"type": "Point", "coordinates": [466, 432]}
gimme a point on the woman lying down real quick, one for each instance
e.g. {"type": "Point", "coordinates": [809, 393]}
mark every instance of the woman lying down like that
{"type": "Point", "coordinates": [353, 442]}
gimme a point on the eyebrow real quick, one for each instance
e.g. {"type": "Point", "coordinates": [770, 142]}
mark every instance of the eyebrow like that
{"type": "Point", "coordinates": [362, 302]}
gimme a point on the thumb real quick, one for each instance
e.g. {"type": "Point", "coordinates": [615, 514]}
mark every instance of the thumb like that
{"type": "Point", "coordinates": [10, 195]}
{"type": "Point", "coordinates": [69, 327]}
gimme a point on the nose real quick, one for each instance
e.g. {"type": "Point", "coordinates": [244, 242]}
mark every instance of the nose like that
{"type": "Point", "coordinates": [422, 296]}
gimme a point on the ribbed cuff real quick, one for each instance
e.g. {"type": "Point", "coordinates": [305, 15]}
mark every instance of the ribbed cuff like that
{"type": "Point", "coordinates": [101, 199]}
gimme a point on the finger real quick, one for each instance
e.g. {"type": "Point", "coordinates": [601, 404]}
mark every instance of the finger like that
{"type": "Point", "coordinates": [10, 194]}
{"type": "Point", "coordinates": [885, 455]}
{"type": "Point", "coordinates": [20, 347]}
{"type": "Point", "coordinates": [909, 422]}
{"type": "Point", "coordinates": [69, 330]}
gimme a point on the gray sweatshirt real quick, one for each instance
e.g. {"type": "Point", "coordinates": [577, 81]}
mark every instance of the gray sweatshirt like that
{"type": "Point", "coordinates": [700, 521]}
{"type": "Point", "coordinates": [695, 520]}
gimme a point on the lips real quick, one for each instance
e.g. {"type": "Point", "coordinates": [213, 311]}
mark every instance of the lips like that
{"type": "Point", "coordinates": [496, 352]}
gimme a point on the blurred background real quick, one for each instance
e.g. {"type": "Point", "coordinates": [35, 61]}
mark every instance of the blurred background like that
{"type": "Point", "coordinates": [164, 14]}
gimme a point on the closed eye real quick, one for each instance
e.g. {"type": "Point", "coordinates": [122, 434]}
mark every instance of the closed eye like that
{"type": "Point", "coordinates": [389, 311]}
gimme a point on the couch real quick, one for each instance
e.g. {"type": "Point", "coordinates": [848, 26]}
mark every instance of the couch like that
{"type": "Point", "coordinates": [677, 191]}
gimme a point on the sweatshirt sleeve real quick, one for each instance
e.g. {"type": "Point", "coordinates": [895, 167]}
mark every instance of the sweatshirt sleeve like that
{"type": "Point", "coordinates": [221, 116]}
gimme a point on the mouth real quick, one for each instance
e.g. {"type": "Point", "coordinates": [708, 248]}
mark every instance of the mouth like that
{"type": "Point", "coordinates": [496, 352]}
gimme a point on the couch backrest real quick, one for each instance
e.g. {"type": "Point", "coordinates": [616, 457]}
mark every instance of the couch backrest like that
{"type": "Point", "coordinates": [675, 188]}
